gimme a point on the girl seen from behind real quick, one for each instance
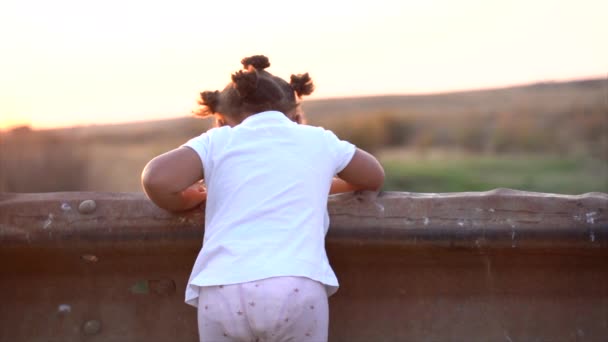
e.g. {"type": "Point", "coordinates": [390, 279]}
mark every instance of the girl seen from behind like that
{"type": "Point", "coordinates": [262, 273]}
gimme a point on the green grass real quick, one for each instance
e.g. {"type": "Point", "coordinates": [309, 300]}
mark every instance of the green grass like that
{"type": "Point", "coordinates": [470, 173]}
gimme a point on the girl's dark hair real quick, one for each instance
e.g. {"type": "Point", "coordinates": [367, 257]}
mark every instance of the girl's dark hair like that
{"type": "Point", "coordinates": [255, 90]}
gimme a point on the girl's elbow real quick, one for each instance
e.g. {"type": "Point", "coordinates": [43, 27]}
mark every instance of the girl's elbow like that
{"type": "Point", "coordinates": [378, 179]}
{"type": "Point", "coordinates": [147, 178]}
{"type": "Point", "coordinates": [152, 180]}
{"type": "Point", "coordinates": [154, 189]}
{"type": "Point", "coordinates": [373, 180]}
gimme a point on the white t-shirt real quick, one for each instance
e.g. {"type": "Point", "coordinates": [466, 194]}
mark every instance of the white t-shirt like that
{"type": "Point", "coordinates": [268, 181]}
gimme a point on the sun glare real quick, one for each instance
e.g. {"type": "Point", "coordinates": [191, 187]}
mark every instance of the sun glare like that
{"type": "Point", "coordinates": [10, 122]}
{"type": "Point", "coordinates": [65, 64]}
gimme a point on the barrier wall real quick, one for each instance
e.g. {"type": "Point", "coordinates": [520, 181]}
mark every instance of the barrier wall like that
{"type": "Point", "coordinates": [501, 265]}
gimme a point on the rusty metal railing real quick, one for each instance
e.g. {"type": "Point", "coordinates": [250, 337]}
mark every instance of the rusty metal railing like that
{"type": "Point", "coordinates": [501, 265]}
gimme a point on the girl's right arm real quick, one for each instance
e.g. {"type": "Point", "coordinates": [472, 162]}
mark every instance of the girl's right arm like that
{"type": "Point", "coordinates": [169, 180]}
{"type": "Point", "coordinates": [363, 172]}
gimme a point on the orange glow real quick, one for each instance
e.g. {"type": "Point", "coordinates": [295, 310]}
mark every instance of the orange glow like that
{"type": "Point", "coordinates": [70, 62]}
{"type": "Point", "coordinates": [7, 122]}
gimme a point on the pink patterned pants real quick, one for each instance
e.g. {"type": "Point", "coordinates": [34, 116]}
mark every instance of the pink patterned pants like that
{"type": "Point", "coordinates": [272, 309]}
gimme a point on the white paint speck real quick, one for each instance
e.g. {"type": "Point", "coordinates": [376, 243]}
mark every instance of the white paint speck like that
{"type": "Point", "coordinates": [513, 245]}
{"type": "Point", "coordinates": [491, 210]}
{"type": "Point", "coordinates": [66, 207]}
{"type": "Point", "coordinates": [426, 221]}
{"type": "Point", "coordinates": [460, 223]}
{"type": "Point", "coordinates": [592, 236]}
{"type": "Point", "coordinates": [64, 308]}
{"type": "Point", "coordinates": [591, 217]}
{"type": "Point", "coordinates": [49, 221]}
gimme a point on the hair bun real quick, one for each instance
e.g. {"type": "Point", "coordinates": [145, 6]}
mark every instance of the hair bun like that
{"type": "Point", "coordinates": [245, 82]}
{"type": "Point", "coordinates": [259, 62]}
{"type": "Point", "coordinates": [302, 84]}
{"type": "Point", "coordinates": [208, 103]}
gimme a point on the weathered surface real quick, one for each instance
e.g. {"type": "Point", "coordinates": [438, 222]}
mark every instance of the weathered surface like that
{"type": "Point", "coordinates": [498, 265]}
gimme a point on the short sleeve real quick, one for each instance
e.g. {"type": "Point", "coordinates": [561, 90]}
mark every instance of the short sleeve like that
{"type": "Point", "coordinates": [341, 151]}
{"type": "Point", "coordinates": [200, 145]}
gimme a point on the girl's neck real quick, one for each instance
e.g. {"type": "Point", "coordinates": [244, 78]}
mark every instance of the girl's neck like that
{"type": "Point", "coordinates": [225, 120]}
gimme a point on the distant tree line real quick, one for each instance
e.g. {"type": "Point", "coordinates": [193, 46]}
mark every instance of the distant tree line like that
{"type": "Point", "coordinates": [574, 131]}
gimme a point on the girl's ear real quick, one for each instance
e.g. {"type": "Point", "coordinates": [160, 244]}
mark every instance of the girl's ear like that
{"type": "Point", "coordinates": [297, 115]}
{"type": "Point", "coordinates": [297, 118]}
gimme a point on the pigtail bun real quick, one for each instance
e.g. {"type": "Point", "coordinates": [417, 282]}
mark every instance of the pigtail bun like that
{"type": "Point", "coordinates": [302, 84]}
{"type": "Point", "coordinates": [207, 103]}
{"type": "Point", "coordinates": [245, 83]}
{"type": "Point", "coordinates": [258, 62]}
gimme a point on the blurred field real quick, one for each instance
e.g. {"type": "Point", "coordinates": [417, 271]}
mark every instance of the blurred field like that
{"type": "Point", "coordinates": [456, 172]}
{"type": "Point", "coordinates": [549, 137]}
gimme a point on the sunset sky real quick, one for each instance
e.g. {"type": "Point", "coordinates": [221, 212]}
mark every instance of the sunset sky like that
{"type": "Point", "coordinates": [65, 63]}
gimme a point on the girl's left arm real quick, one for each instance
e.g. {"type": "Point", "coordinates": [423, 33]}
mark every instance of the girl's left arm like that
{"type": "Point", "coordinates": [171, 180]}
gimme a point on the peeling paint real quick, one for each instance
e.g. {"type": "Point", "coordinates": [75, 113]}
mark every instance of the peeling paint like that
{"type": "Point", "coordinates": [380, 207]}
{"type": "Point", "coordinates": [140, 287]}
{"type": "Point", "coordinates": [64, 308]}
{"type": "Point", "coordinates": [591, 217]}
{"type": "Point", "coordinates": [49, 221]}
{"type": "Point", "coordinates": [489, 277]}
{"type": "Point", "coordinates": [89, 258]}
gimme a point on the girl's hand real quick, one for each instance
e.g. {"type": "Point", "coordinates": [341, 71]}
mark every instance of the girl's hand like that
{"type": "Point", "coordinates": [195, 194]}
{"type": "Point", "coordinates": [338, 186]}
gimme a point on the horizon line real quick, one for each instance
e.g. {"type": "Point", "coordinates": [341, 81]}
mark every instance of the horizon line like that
{"type": "Point", "coordinates": [339, 97]}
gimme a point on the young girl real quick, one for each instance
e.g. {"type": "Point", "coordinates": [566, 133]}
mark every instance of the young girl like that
{"type": "Point", "coordinates": [262, 273]}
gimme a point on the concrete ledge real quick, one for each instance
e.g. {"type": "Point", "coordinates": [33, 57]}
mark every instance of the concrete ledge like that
{"type": "Point", "coordinates": [497, 218]}
{"type": "Point", "coordinates": [501, 265]}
